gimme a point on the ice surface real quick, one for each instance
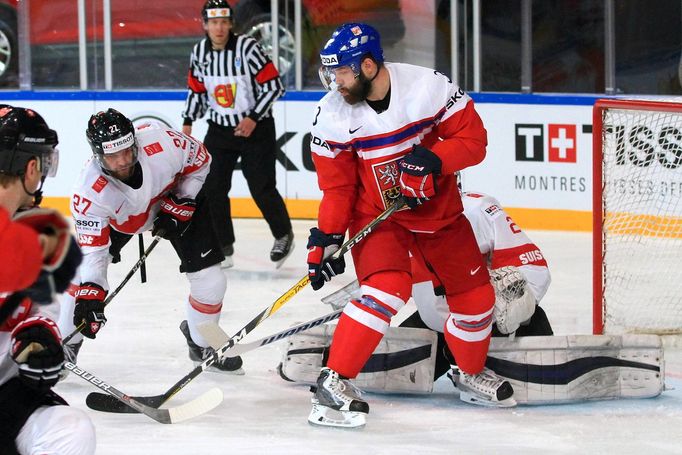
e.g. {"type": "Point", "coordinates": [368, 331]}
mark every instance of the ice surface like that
{"type": "Point", "coordinates": [141, 352]}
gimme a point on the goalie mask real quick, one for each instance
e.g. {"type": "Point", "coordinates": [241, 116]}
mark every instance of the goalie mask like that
{"type": "Point", "coordinates": [24, 135]}
{"type": "Point", "coordinates": [348, 45]}
{"type": "Point", "coordinates": [111, 136]}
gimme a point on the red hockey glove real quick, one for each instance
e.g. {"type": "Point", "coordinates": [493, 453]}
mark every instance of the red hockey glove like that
{"type": "Point", "coordinates": [321, 266]}
{"type": "Point", "coordinates": [418, 171]}
{"type": "Point", "coordinates": [174, 217]}
{"type": "Point", "coordinates": [90, 308]}
{"type": "Point", "coordinates": [37, 350]}
{"type": "Point", "coordinates": [60, 267]}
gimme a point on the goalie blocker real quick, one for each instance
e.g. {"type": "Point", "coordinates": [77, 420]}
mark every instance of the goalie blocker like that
{"type": "Point", "coordinates": [542, 369]}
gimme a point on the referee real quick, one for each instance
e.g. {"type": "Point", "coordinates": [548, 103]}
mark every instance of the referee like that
{"type": "Point", "coordinates": [232, 80]}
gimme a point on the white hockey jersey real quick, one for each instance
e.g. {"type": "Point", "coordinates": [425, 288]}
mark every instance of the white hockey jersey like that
{"type": "Point", "coordinates": [171, 162]}
{"type": "Point", "coordinates": [502, 243]}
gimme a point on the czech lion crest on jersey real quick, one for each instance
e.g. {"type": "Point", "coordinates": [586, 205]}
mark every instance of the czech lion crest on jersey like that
{"type": "Point", "coordinates": [386, 176]}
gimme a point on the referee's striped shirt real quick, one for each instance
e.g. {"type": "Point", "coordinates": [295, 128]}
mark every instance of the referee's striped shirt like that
{"type": "Point", "coordinates": [232, 83]}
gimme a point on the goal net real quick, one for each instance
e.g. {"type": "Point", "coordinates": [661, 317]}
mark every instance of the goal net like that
{"type": "Point", "coordinates": [637, 209]}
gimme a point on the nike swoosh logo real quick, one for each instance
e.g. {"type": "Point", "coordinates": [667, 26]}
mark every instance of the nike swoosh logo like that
{"type": "Point", "coordinates": [473, 272]}
{"type": "Point", "coordinates": [353, 131]}
{"type": "Point", "coordinates": [203, 255]}
{"type": "Point", "coordinates": [119, 208]}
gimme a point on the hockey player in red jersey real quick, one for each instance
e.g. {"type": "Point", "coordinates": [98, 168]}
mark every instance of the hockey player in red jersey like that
{"type": "Point", "coordinates": [387, 129]}
{"type": "Point", "coordinates": [40, 258]}
{"type": "Point", "coordinates": [520, 276]}
{"type": "Point", "coordinates": [140, 179]}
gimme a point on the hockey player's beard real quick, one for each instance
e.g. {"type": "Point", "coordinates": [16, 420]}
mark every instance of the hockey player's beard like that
{"type": "Point", "coordinates": [358, 91]}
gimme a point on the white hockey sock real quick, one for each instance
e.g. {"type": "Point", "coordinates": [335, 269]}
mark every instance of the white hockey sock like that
{"type": "Point", "coordinates": [208, 313]}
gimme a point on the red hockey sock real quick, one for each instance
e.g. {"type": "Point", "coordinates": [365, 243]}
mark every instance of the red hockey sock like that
{"type": "Point", "coordinates": [468, 329]}
{"type": "Point", "coordinates": [352, 345]}
{"type": "Point", "coordinates": [470, 355]}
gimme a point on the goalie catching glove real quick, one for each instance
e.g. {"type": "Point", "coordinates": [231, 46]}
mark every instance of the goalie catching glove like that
{"type": "Point", "coordinates": [37, 350]}
{"type": "Point", "coordinates": [321, 266]}
{"type": "Point", "coordinates": [418, 171]}
{"type": "Point", "coordinates": [514, 301]}
{"type": "Point", "coordinates": [174, 217]}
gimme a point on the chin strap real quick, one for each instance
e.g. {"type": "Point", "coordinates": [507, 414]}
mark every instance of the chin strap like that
{"type": "Point", "coordinates": [37, 194]}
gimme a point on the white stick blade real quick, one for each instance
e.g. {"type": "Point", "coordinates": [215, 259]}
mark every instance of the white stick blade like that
{"type": "Point", "coordinates": [196, 407]}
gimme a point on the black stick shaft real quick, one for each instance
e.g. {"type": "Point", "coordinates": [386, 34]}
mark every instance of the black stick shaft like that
{"type": "Point", "coordinates": [125, 280]}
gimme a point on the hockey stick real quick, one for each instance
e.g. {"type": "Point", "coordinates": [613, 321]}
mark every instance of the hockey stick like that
{"type": "Point", "coordinates": [194, 408]}
{"type": "Point", "coordinates": [158, 400]}
{"type": "Point", "coordinates": [106, 403]}
{"type": "Point", "coordinates": [138, 264]}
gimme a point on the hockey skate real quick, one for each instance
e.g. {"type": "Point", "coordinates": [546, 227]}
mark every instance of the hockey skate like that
{"type": "Point", "coordinates": [282, 249]}
{"type": "Point", "coordinates": [228, 262]}
{"type": "Point", "coordinates": [230, 365]}
{"type": "Point", "coordinates": [336, 395]}
{"type": "Point", "coordinates": [483, 389]}
{"type": "Point", "coordinates": [70, 355]}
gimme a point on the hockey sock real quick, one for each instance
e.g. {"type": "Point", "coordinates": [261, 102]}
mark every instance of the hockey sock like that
{"type": "Point", "coordinates": [468, 329]}
{"type": "Point", "coordinates": [198, 313]}
{"type": "Point", "coordinates": [352, 345]}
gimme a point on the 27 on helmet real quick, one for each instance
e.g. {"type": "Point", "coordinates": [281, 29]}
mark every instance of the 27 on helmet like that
{"type": "Point", "coordinates": [110, 132]}
{"type": "Point", "coordinates": [349, 44]}
{"type": "Point", "coordinates": [216, 8]}
{"type": "Point", "coordinates": [24, 135]}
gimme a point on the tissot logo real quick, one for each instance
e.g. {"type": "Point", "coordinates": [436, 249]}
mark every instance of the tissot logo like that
{"type": "Point", "coordinates": [561, 143]}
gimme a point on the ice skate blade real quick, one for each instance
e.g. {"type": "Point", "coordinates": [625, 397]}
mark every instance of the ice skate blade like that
{"type": "Point", "coordinates": [238, 372]}
{"type": "Point", "coordinates": [279, 263]}
{"type": "Point", "coordinates": [318, 417]}
{"type": "Point", "coordinates": [477, 400]}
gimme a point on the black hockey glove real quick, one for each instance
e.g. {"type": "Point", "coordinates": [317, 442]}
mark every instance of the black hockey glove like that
{"type": "Point", "coordinates": [418, 171]}
{"type": "Point", "coordinates": [60, 267]}
{"type": "Point", "coordinates": [174, 217]}
{"type": "Point", "coordinates": [321, 266]}
{"type": "Point", "coordinates": [90, 308]}
{"type": "Point", "coordinates": [37, 350]}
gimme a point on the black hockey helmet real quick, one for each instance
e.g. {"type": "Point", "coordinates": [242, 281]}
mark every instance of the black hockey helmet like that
{"type": "Point", "coordinates": [110, 132]}
{"type": "Point", "coordinates": [216, 8]}
{"type": "Point", "coordinates": [24, 135]}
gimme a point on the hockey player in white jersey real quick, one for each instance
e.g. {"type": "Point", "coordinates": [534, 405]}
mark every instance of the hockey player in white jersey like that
{"type": "Point", "coordinates": [519, 273]}
{"type": "Point", "coordinates": [385, 130]}
{"type": "Point", "coordinates": [141, 179]}
{"type": "Point", "coordinates": [40, 257]}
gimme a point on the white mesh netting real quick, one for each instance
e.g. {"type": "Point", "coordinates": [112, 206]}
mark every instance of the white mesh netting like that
{"type": "Point", "coordinates": [642, 220]}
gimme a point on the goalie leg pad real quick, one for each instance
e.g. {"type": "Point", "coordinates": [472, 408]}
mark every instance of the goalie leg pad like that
{"type": "Point", "coordinates": [567, 369]}
{"type": "Point", "coordinates": [404, 361]}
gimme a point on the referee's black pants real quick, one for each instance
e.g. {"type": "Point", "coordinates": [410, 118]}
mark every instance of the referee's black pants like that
{"type": "Point", "coordinates": [258, 155]}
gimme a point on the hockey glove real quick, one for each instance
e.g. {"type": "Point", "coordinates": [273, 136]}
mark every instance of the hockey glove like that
{"type": "Point", "coordinates": [174, 217]}
{"type": "Point", "coordinates": [321, 266]}
{"type": "Point", "coordinates": [514, 301]}
{"type": "Point", "coordinates": [37, 350]}
{"type": "Point", "coordinates": [90, 308]}
{"type": "Point", "coordinates": [61, 265]}
{"type": "Point", "coordinates": [418, 171]}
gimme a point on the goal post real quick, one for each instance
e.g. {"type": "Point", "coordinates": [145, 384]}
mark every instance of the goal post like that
{"type": "Point", "coordinates": [637, 216]}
